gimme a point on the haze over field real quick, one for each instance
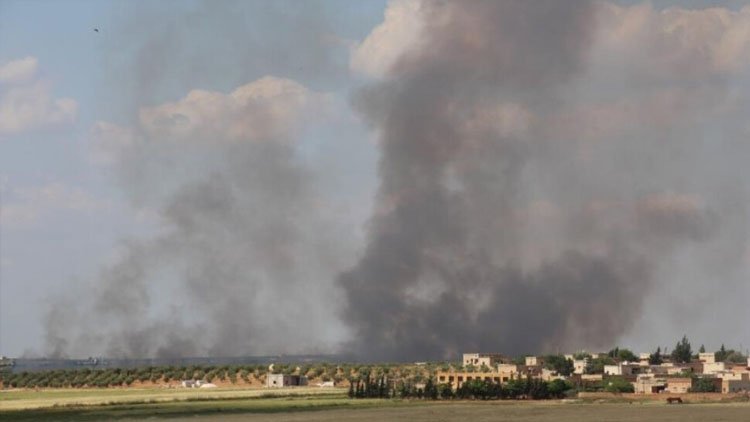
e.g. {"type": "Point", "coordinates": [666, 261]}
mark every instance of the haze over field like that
{"type": "Point", "coordinates": [401, 180]}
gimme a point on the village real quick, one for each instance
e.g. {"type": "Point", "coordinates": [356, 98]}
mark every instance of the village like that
{"type": "Point", "coordinates": [703, 373]}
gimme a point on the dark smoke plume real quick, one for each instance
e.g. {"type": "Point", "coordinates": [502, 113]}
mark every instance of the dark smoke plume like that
{"type": "Point", "coordinates": [444, 269]}
{"type": "Point", "coordinates": [545, 181]}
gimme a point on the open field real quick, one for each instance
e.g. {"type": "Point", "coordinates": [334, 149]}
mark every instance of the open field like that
{"type": "Point", "coordinates": [314, 404]}
{"type": "Point", "coordinates": [511, 411]}
{"type": "Point", "coordinates": [30, 399]}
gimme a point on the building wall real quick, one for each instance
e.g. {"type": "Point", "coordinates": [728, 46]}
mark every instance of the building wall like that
{"type": "Point", "coordinates": [479, 359]}
{"type": "Point", "coordinates": [707, 357]}
{"type": "Point", "coordinates": [713, 368]}
{"type": "Point", "coordinates": [281, 380]}
{"type": "Point", "coordinates": [735, 386]}
{"type": "Point", "coordinates": [679, 385]}
{"type": "Point", "coordinates": [457, 378]}
{"type": "Point", "coordinates": [648, 384]}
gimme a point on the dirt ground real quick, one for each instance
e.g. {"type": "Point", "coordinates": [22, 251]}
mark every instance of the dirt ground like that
{"type": "Point", "coordinates": [516, 412]}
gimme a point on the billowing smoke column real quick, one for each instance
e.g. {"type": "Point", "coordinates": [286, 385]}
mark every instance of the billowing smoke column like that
{"type": "Point", "coordinates": [464, 117]}
{"type": "Point", "coordinates": [244, 254]}
{"type": "Point", "coordinates": [548, 170]}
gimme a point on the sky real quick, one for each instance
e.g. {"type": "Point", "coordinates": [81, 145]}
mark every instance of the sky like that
{"type": "Point", "coordinates": [239, 169]}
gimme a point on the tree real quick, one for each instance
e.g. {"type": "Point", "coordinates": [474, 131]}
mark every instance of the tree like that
{"type": "Point", "coordinates": [596, 366]}
{"type": "Point", "coordinates": [735, 357]}
{"type": "Point", "coordinates": [656, 358]}
{"type": "Point", "coordinates": [721, 355]}
{"type": "Point", "coordinates": [623, 355]}
{"type": "Point", "coordinates": [557, 388]}
{"type": "Point", "coordinates": [703, 385]}
{"type": "Point", "coordinates": [702, 349]}
{"type": "Point", "coordinates": [445, 391]}
{"type": "Point", "coordinates": [619, 385]}
{"type": "Point", "coordinates": [682, 352]}
{"type": "Point", "coordinates": [559, 364]}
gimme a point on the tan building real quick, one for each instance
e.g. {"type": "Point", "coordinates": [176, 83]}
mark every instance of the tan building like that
{"type": "Point", "coordinates": [734, 385]}
{"type": "Point", "coordinates": [643, 359]}
{"type": "Point", "coordinates": [579, 366]}
{"type": "Point", "coordinates": [508, 371]}
{"type": "Point", "coordinates": [649, 384]}
{"type": "Point", "coordinates": [707, 357]}
{"type": "Point", "coordinates": [457, 378]}
{"type": "Point", "coordinates": [713, 367]}
{"type": "Point", "coordinates": [533, 361]}
{"type": "Point", "coordinates": [624, 369]}
{"type": "Point", "coordinates": [679, 385]}
{"type": "Point", "coordinates": [549, 375]}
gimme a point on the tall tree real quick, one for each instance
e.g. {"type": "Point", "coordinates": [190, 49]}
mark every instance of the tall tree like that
{"type": "Point", "coordinates": [682, 352]}
{"type": "Point", "coordinates": [656, 358]}
{"type": "Point", "coordinates": [721, 355]}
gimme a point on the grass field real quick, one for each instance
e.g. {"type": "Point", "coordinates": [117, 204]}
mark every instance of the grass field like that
{"type": "Point", "coordinates": [314, 404]}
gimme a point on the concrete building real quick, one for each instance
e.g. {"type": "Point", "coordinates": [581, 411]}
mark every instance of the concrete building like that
{"type": "Point", "coordinates": [735, 385]}
{"type": "Point", "coordinates": [508, 371]}
{"type": "Point", "coordinates": [649, 384]}
{"type": "Point", "coordinates": [533, 361]}
{"type": "Point", "coordinates": [579, 366]}
{"type": "Point", "coordinates": [713, 367]}
{"type": "Point", "coordinates": [679, 385]}
{"type": "Point", "coordinates": [707, 357]}
{"type": "Point", "coordinates": [487, 359]}
{"type": "Point", "coordinates": [624, 369]}
{"type": "Point", "coordinates": [549, 375]}
{"type": "Point", "coordinates": [457, 378]}
{"type": "Point", "coordinates": [282, 380]}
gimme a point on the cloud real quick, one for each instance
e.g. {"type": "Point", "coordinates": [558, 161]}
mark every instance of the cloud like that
{"type": "Point", "coordinates": [691, 42]}
{"type": "Point", "coordinates": [107, 141]}
{"type": "Point", "coordinates": [400, 29]}
{"type": "Point", "coordinates": [26, 101]}
{"type": "Point", "coordinates": [268, 108]}
{"type": "Point", "coordinates": [26, 206]}
{"type": "Point", "coordinates": [18, 70]}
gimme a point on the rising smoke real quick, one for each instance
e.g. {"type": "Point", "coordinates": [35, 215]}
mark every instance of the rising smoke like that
{"type": "Point", "coordinates": [464, 251]}
{"type": "Point", "coordinates": [526, 203]}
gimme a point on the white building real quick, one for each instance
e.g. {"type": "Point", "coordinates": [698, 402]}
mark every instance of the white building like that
{"type": "Point", "coordinates": [707, 357]}
{"type": "Point", "coordinates": [282, 380]}
{"type": "Point", "coordinates": [623, 368]}
{"type": "Point", "coordinates": [579, 366]}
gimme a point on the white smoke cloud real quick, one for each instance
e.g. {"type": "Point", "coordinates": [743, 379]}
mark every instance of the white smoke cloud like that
{"type": "Point", "coordinates": [26, 206]}
{"type": "Point", "coordinates": [269, 108]}
{"type": "Point", "coordinates": [26, 101]}
{"type": "Point", "coordinates": [400, 29]}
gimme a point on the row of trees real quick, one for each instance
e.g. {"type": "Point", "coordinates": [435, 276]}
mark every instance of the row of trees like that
{"type": "Point", "coordinates": [683, 353]}
{"type": "Point", "coordinates": [112, 377]}
{"type": "Point", "coordinates": [529, 388]}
